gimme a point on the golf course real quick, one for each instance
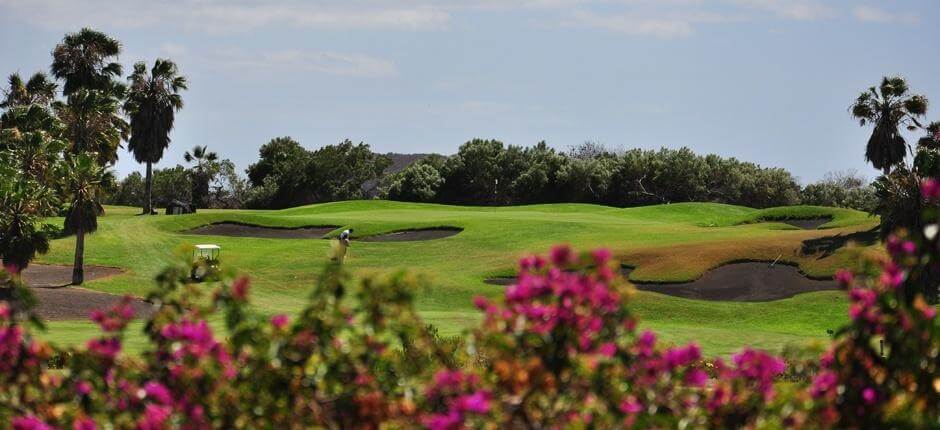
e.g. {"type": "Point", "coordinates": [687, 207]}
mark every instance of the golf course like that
{"type": "Point", "coordinates": [662, 244]}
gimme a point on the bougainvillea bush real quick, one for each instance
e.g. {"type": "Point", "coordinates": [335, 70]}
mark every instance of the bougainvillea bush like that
{"type": "Point", "coordinates": [561, 349]}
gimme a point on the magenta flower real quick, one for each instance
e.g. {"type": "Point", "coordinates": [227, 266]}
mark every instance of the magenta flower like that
{"type": "Point", "coordinates": [844, 278]}
{"type": "Point", "coordinates": [869, 395]}
{"type": "Point", "coordinates": [84, 423]}
{"type": "Point", "coordinates": [892, 275]}
{"type": "Point", "coordinates": [29, 422]}
{"type": "Point", "coordinates": [696, 377]}
{"type": "Point", "coordinates": [478, 403]}
{"type": "Point", "coordinates": [240, 288]}
{"type": "Point", "coordinates": [154, 417]}
{"type": "Point", "coordinates": [158, 392]}
{"type": "Point", "coordinates": [930, 189]}
{"type": "Point", "coordinates": [562, 255]}
{"type": "Point", "coordinates": [280, 321]}
{"type": "Point", "coordinates": [83, 388]}
{"type": "Point", "coordinates": [107, 348]}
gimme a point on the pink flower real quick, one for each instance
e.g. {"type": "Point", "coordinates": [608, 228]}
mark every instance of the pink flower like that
{"type": "Point", "coordinates": [280, 321]}
{"type": "Point", "coordinates": [601, 256]}
{"type": "Point", "coordinates": [844, 278]}
{"type": "Point", "coordinates": [696, 377]}
{"type": "Point", "coordinates": [930, 189]}
{"type": "Point", "coordinates": [154, 417]}
{"type": "Point", "coordinates": [478, 403]}
{"type": "Point", "coordinates": [29, 422]}
{"type": "Point", "coordinates": [449, 421]}
{"type": "Point", "coordinates": [11, 268]}
{"type": "Point", "coordinates": [158, 392]}
{"type": "Point", "coordinates": [83, 423]}
{"type": "Point", "coordinates": [892, 276]}
{"type": "Point", "coordinates": [105, 348]}
{"type": "Point", "coordinates": [562, 255]}
{"type": "Point", "coordinates": [824, 383]}
{"type": "Point", "coordinates": [869, 396]}
{"type": "Point", "coordinates": [83, 388]}
{"type": "Point", "coordinates": [240, 288]}
{"type": "Point", "coordinates": [631, 406]}
{"type": "Point", "coordinates": [4, 311]}
{"type": "Point", "coordinates": [608, 349]}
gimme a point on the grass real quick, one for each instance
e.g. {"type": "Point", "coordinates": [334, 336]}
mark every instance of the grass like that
{"type": "Point", "coordinates": [667, 243]}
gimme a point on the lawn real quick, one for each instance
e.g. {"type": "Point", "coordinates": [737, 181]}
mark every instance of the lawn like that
{"type": "Point", "coordinates": [666, 243]}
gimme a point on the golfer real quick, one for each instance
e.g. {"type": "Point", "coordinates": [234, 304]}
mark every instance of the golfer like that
{"type": "Point", "coordinates": [340, 254]}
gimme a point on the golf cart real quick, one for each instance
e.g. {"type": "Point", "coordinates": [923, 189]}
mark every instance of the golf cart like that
{"type": "Point", "coordinates": [205, 261]}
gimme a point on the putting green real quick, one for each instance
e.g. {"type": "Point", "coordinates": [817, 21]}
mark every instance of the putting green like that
{"type": "Point", "coordinates": [666, 243]}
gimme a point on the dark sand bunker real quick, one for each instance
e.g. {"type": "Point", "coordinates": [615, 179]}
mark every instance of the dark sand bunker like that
{"type": "Point", "coordinates": [233, 229]}
{"type": "Point", "coordinates": [414, 235]}
{"type": "Point", "coordinates": [57, 302]}
{"type": "Point", "coordinates": [805, 224]}
{"type": "Point", "coordinates": [500, 280]}
{"type": "Point", "coordinates": [743, 282]}
{"type": "Point", "coordinates": [53, 275]}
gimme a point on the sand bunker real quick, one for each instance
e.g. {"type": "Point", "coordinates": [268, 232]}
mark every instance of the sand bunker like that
{"type": "Point", "coordinates": [736, 282]}
{"type": "Point", "coordinates": [53, 275]}
{"type": "Point", "coordinates": [233, 229]}
{"type": "Point", "coordinates": [58, 302]}
{"type": "Point", "coordinates": [743, 282]}
{"type": "Point", "coordinates": [413, 235]}
{"type": "Point", "coordinates": [805, 224]}
{"type": "Point", "coordinates": [500, 280]}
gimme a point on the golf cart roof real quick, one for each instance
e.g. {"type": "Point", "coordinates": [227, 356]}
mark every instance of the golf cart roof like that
{"type": "Point", "coordinates": [207, 246]}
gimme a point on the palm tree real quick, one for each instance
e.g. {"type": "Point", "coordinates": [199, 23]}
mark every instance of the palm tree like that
{"type": "Point", "coordinates": [202, 172]}
{"type": "Point", "coordinates": [83, 61]}
{"type": "Point", "coordinates": [39, 89]}
{"type": "Point", "coordinates": [85, 181]}
{"type": "Point", "coordinates": [152, 102]}
{"type": "Point", "coordinates": [889, 107]}
{"type": "Point", "coordinates": [93, 124]}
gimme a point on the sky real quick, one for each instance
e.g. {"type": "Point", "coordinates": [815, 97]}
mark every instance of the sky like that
{"type": "Point", "coordinates": [767, 81]}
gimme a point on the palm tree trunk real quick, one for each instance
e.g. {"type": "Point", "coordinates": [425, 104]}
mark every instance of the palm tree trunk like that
{"type": "Point", "coordinates": [148, 203]}
{"type": "Point", "coordinates": [78, 267]}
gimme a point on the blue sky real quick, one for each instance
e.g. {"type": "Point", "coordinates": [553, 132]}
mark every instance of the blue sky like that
{"type": "Point", "coordinates": [767, 81]}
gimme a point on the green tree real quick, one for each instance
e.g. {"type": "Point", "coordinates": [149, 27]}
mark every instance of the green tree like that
{"type": "Point", "coordinates": [202, 172]}
{"type": "Point", "coordinates": [152, 102]}
{"type": "Point", "coordinates": [274, 156]}
{"type": "Point", "coordinates": [338, 172]}
{"type": "Point", "coordinates": [93, 124]}
{"type": "Point", "coordinates": [419, 182]}
{"type": "Point", "coordinates": [888, 106]}
{"type": "Point", "coordinates": [83, 60]}
{"type": "Point", "coordinates": [39, 89]}
{"type": "Point", "coordinates": [85, 181]}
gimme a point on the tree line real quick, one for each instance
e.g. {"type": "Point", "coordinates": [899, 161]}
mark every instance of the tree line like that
{"type": "Point", "coordinates": [488, 172]}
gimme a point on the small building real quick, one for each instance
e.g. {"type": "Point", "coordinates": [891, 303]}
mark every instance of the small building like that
{"type": "Point", "coordinates": [176, 207]}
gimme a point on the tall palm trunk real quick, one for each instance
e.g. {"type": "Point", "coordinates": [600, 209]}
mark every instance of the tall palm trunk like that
{"type": "Point", "coordinates": [78, 266]}
{"type": "Point", "coordinates": [148, 203]}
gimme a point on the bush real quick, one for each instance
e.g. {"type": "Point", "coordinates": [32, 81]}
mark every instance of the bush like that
{"type": "Point", "coordinates": [560, 349]}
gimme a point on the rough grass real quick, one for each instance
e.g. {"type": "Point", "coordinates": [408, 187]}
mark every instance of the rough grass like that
{"type": "Point", "coordinates": [667, 243]}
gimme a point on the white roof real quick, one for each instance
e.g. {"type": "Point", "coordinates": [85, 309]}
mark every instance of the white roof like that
{"type": "Point", "coordinates": [207, 246]}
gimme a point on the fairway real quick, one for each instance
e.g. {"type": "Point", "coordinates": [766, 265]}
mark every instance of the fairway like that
{"type": "Point", "coordinates": [677, 242]}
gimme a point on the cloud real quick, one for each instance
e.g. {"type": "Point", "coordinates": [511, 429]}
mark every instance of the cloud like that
{"type": "Point", "coordinates": [873, 14]}
{"type": "Point", "coordinates": [330, 63]}
{"type": "Point", "coordinates": [639, 26]}
{"type": "Point", "coordinates": [801, 10]}
{"type": "Point", "coordinates": [219, 16]}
